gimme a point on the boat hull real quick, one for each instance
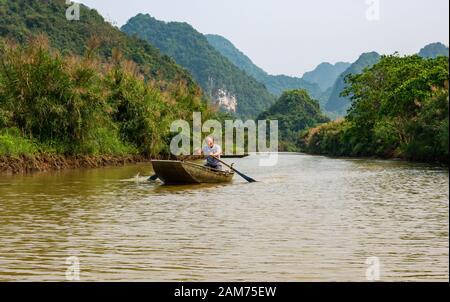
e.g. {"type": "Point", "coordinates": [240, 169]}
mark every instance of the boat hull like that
{"type": "Point", "coordinates": [179, 172]}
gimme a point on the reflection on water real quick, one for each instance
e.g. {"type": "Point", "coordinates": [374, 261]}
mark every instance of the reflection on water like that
{"type": "Point", "coordinates": [307, 219]}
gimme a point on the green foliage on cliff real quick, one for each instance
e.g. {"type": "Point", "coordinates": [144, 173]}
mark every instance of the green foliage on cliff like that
{"type": "Point", "coordinates": [400, 108]}
{"type": "Point", "coordinates": [210, 69]}
{"type": "Point", "coordinates": [294, 111]}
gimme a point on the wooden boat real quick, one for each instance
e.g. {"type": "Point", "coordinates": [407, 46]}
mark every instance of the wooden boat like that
{"type": "Point", "coordinates": [182, 172]}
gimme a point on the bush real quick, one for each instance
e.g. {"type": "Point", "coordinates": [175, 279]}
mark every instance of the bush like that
{"type": "Point", "coordinates": [79, 105]}
{"type": "Point", "coordinates": [400, 109]}
{"type": "Point", "coordinates": [13, 144]}
{"type": "Point", "coordinates": [104, 141]}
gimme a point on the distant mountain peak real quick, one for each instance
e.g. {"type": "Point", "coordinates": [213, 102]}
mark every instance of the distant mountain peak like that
{"type": "Point", "coordinates": [434, 50]}
{"type": "Point", "coordinates": [338, 104]}
{"type": "Point", "coordinates": [325, 74]}
{"type": "Point", "coordinates": [276, 84]}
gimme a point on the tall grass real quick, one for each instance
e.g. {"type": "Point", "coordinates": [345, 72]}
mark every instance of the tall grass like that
{"type": "Point", "coordinates": [13, 144]}
{"type": "Point", "coordinates": [81, 105]}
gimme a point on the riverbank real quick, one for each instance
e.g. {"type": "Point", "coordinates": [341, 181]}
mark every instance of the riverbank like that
{"type": "Point", "coordinates": [375, 157]}
{"type": "Point", "coordinates": [10, 165]}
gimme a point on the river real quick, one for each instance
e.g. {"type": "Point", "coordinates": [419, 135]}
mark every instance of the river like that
{"type": "Point", "coordinates": [309, 218]}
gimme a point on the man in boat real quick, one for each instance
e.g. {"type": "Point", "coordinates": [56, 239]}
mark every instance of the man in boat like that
{"type": "Point", "coordinates": [212, 149]}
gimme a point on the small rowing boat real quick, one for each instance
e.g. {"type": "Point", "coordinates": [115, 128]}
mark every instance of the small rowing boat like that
{"type": "Point", "coordinates": [181, 172]}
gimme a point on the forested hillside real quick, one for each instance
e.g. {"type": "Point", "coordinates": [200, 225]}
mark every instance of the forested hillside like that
{"type": "Point", "coordinates": [220, 79]}
{"type": "Point", "coordinates": [84, 87]}
{"type": "Point", "coordinates": [400, 108]}
{"type": "Point", "coordinates": [24, 18]}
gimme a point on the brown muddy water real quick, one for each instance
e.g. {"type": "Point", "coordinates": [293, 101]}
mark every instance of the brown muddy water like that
{"type": "Point", "coordinates": [307, 219]}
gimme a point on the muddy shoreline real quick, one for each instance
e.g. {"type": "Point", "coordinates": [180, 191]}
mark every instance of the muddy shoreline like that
{"type": "Point", "coordinates": [10, 165]}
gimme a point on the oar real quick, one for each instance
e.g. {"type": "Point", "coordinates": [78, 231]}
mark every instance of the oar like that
{"type": "Point", "coordinates": [153, 178]}
{"type": "Point", "coordinates": [249, 179]}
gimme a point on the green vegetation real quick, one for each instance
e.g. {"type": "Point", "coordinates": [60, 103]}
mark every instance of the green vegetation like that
{"type": "Point", "coordinates": [22, 19]}
{"type": "Point", "coordinates": [209, 68]}
{"type": "Point", "coordinates": [336, 105]}
{"type": "Point", "coordinates": [275, 84]}
{"type": "Point", "coordinates": [94, 91]}
{"type": "Point", "coordinates": [400, 108]}
{"type": "Point", "coordinates": [295, 111]}
{"type": "Point", "coordinates": [77, 105]}
{"type": "Point", "coordinates": [86, 88]}
{"type": "Point", "coordinates": [12, 143]}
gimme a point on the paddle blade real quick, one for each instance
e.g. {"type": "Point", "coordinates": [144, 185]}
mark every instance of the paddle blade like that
{"type": "Point", "coordinates": [153, 178]}
{"type": "Point", "coordinates": [249, 179]}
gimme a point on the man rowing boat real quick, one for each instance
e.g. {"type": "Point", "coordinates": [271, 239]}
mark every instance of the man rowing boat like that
{"type": "Point", "coordinates": [212, 149]}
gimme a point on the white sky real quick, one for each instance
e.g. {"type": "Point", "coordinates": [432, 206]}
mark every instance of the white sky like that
{"type": "Point", "coordinates": [294, 36]}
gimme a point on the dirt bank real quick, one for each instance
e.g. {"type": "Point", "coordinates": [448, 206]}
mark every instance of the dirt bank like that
{"type": "Point", "coordinates": [42, 163]}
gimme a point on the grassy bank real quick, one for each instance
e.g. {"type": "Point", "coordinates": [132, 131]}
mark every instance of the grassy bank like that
{"type": "Point", "coordinates": [22, 155]}
{"type": "Point", "coordinates": [13, 143]}
{"type": "Point", "coordinates": [10, 165]}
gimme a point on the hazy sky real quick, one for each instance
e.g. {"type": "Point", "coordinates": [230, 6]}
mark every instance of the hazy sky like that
{"type": "Point", "coordinates": [293, 36]}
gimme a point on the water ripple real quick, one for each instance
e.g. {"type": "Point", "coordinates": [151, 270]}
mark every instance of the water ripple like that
{"type": "Point", "coordinates": [307, 219]}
